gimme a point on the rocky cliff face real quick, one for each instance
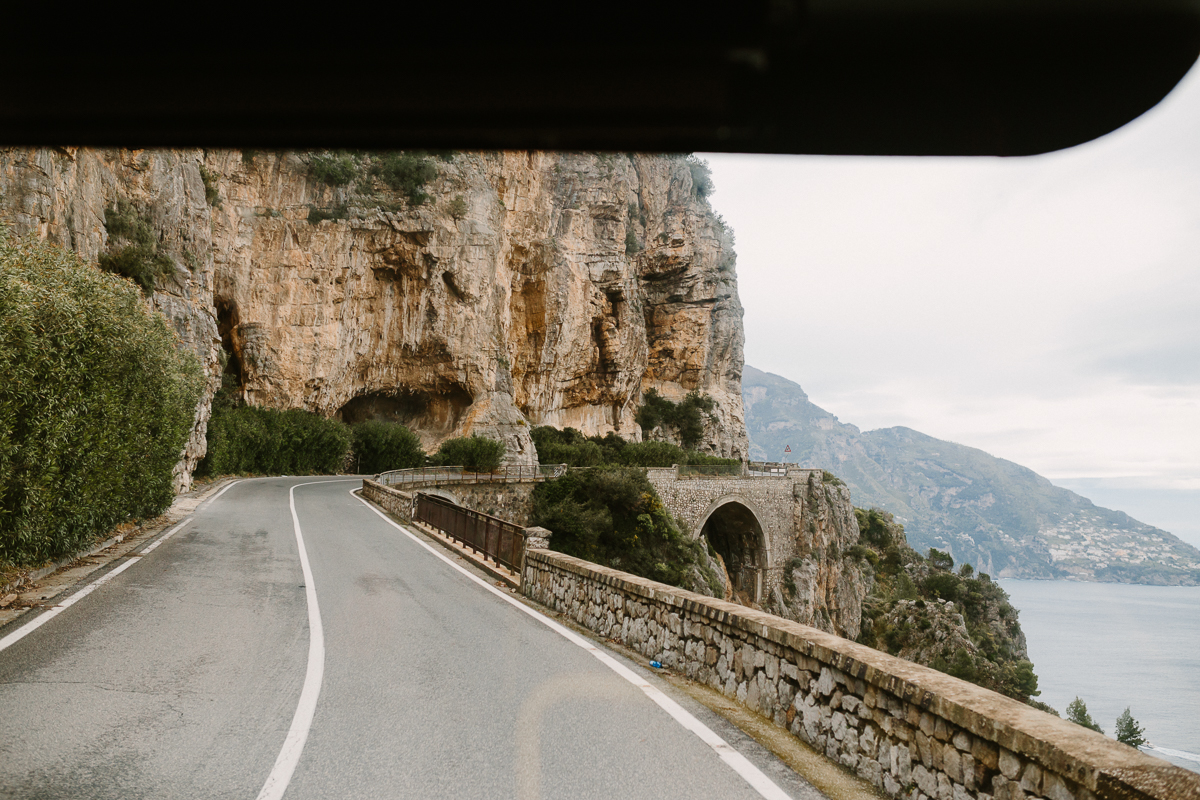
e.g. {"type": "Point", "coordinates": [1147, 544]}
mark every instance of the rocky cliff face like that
{"type": "Point", "coordinates": [61, 194]}
{"type": "Point", "coordinates": [821, 587]}
{"type": "Point", "coordinates": [529, 289]}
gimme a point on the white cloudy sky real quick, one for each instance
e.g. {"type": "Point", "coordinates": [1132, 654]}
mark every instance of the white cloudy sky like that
{"type": "Point", "coordinates": [1044, 309]}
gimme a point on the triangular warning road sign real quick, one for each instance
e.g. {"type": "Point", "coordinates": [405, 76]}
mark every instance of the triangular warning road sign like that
{"type": "Point", "coordinates": [787, 448]}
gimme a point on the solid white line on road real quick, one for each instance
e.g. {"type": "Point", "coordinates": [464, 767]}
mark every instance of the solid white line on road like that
{"type": "Point", "coordinates": [738, 762]}
{"type": "Point", "coordinates": [293, 745]}
{"type": "Point", "coordinates": [31, 626]}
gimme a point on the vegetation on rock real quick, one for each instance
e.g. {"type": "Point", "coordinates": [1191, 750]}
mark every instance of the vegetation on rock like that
{"type": "Point", "coordinates": [1129, 731]}
{"type": "Point", "coordinates": [685, 417]}
{"type": "Point", "coordinates": [133, 248]}
{"type": "Point", "coordinates": [95, 406]}
{"type": "Point", "coordinates": [1077, 712]}
{"type": "Point", "coordinates": [572, 448]}
{"type": "Point", "coordinates": [919, 609]}
{"type": "Point", "coordinates": [613, 516]}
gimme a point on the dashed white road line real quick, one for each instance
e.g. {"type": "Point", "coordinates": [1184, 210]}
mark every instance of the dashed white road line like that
{"type": "Point", "coordinates": [31, 626]}
{"type": "Point", "coordinates": [735, 760]}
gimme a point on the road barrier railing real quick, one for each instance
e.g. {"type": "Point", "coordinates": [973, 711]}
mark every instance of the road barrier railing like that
{"type": "Point", "coordinates": [514, 473]}
{"type": "Point", "coordinates": [497, 539]}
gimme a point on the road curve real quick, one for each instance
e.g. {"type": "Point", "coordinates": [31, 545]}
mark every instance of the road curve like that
{"type": "Point", "coordinates": [182, 675]}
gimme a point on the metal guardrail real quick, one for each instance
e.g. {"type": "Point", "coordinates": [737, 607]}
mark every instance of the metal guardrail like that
{"type": "Point", "coordinates": [497, 539]}
{"type": "Point", "coordinates": [510, 474]}
{"type": "Point", "coordinates": [768, 468]}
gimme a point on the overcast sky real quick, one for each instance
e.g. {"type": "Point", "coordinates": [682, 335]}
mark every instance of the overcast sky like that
{"type": "Point", "coordinates": [1045, 309]}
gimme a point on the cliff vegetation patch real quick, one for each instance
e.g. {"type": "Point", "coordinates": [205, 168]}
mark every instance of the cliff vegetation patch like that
{"type": "Point", "coordinates": [570, 447]}
{"type": "Point", "coordinates": [919, 608]}
{"type": "Point", "coordinates": [133, 247]}
{"type": "Point", "coordinates": [685, 418]}
{"type": "Point", "coordinates": [95, 406]}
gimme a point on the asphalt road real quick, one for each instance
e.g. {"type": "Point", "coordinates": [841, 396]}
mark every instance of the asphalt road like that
{"type": "Point", "coordinates": [182, 677]}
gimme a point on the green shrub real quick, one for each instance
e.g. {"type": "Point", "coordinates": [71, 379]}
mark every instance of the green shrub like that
{"type": "Point", "coordinates": [266, 441]}
{"type": "Point", "coordinates": [316, 215]}
{"type": "Point", "coordinates": [211, 192]}
{"type": "Point", "coordinates": [139, 258]}
{"type": "Point", "coordinates": [475, 453]}
{"type": "Point", "coordinates": [95, 406]}
{"type": "Point", "coordinates": [685, 417]}
{"type": "Point", "coordinates": [334, 169]}
{"type": "Point", "coordinates": [572, 448]}
{"type": "Point", "coordinates": [940, 560]}
{"type": "Point", "coordinates": [831, 479]}
{"type": "Point", "coordinates": [457, 208]}
{"type": "Point", "coordinates": [1077, 712]}
{"type": "Point", "coordinates": [1129, 731]}
{"type": "Point", "coordinates": [406, 173]}
{"type": "Point", "coordinates": [380, 446]}
{"type": "Point", "coordinates": [632, 248]}
{"type": "Point", "coordinates": [613, 516]}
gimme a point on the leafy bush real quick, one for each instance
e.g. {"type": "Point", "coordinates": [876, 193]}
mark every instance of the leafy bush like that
{"type": "Point", "coordinates": [316, 215]}
{"type": "Point", "coordinates": [1077, 712]}
{"type": "Point", "coordinates": [476, 453]}
{"type": "Point", "coordinates": [685, 417]}
{"type": "Point", "coordinates": [406, 173]}
{"type": "Point", "coordinates": [572, 448]}
{"type": "Point", "coordinates": [380, 446]}
{"type": "Point", "coordinates": [632, 248]}
{"type": "Point", "coordinates": [613, 516]}
{"type": "Point", "coordinates": [334, 169]}
{"type": "Point", "coordinates": [95, 406]}
{"type": "Point", "coordinates": [831, 479]}
{"type": "Point", "coordinates": [940, 560]}
{"type": "Point", "coordinates": [267, 441]}
{"type": "Point", "coordinates": [139, 259]}
{"type": "Point", "coordinates": [457, 208]}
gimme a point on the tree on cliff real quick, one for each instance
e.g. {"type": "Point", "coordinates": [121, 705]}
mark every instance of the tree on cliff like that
{"type": "Point", "coordinates": [95, 406]}
{"type": "Point", "coordinates": [1077, 712]}
{"type": "Point", "coordinates": [1128, 730]}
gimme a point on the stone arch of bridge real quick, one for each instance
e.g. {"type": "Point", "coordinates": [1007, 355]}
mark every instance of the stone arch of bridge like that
{"type": "Point", "coordinates": [733, 526]}
{"type": "Point", "coordinates": [442, 493]}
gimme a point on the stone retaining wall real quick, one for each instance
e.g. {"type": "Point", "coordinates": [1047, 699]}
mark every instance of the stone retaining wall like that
{"type": "Point", "coordinates": [392, 500]}
{"type": "Point", "coordinates": [909, 730]}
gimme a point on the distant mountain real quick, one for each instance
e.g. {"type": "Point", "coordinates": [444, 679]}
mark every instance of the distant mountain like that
{"type": "Point", "coordinates": [1004, 519]}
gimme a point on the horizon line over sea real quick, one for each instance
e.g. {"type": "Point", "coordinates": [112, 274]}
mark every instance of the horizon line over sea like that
{"type": "Point", "coordinates": [1118, 646]}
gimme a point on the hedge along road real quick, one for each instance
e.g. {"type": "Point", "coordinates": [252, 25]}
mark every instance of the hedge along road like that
{"type": "Point", "coordinates": [204, 670]}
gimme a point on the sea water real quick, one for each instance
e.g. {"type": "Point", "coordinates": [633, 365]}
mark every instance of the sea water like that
{"type": "Point", "coordinates": [1115, 646]}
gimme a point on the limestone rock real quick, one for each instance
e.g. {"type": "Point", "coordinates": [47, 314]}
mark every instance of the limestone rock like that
{"type": "Point", "coordinates": [570, 285]}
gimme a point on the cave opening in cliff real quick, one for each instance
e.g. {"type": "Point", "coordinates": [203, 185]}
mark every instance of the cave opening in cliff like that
{"type": "Point", "coordinates": [437, 411]}
{"type": "Point", "coordinates": [736, 535]}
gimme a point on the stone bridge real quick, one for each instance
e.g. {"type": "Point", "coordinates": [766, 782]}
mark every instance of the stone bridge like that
{"type": "Point", "coordinates": [754, 521]}
{"type": "Point", "coordinates": [757, 520]}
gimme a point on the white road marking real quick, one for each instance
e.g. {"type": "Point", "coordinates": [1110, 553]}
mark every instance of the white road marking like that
{"type": "Point", "coordinates": [31, 626]}
{"type": "Point", "coordinates": [735, 760]}
{"type": "Point", "coordinates": [293, 745]}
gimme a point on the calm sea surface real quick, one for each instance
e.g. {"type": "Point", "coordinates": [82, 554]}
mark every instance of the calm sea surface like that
{"type": "Point", "coordinates": [1118, 645]}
